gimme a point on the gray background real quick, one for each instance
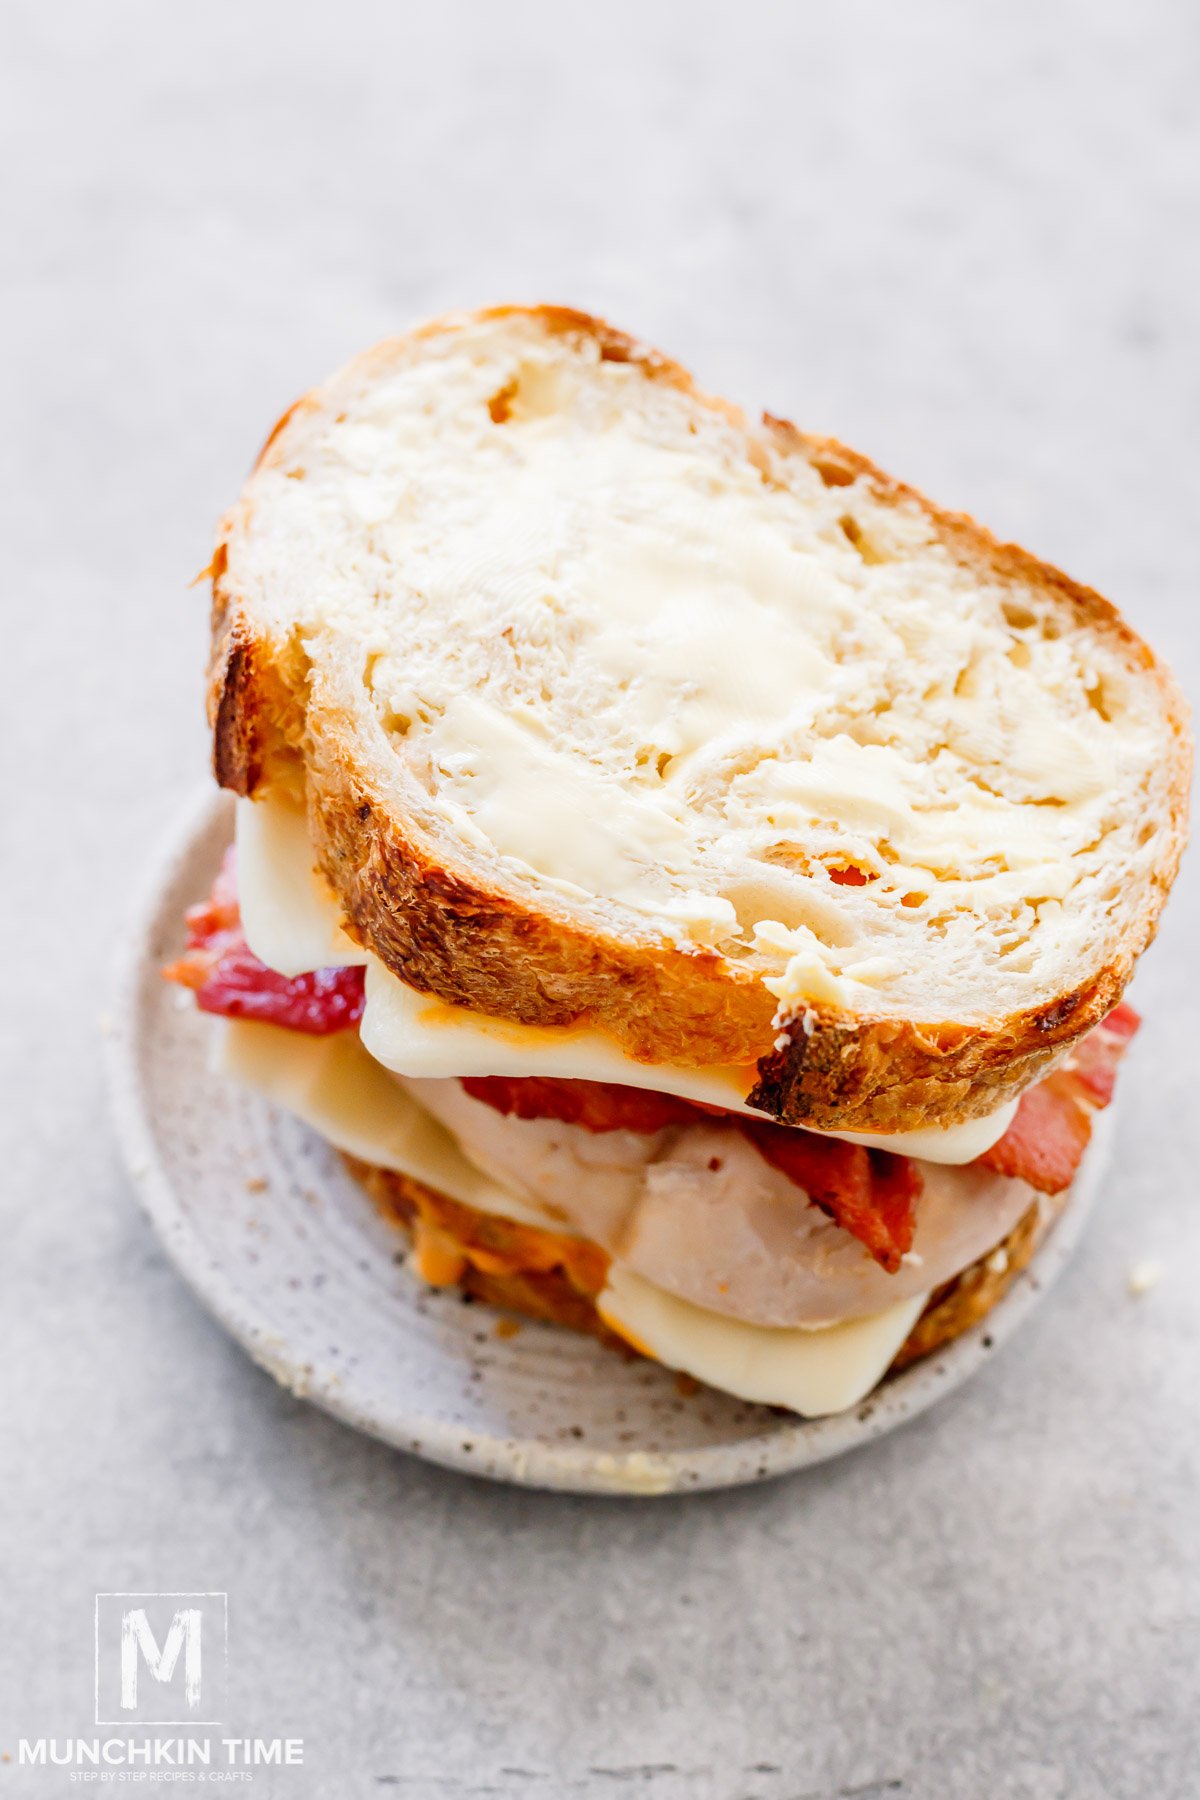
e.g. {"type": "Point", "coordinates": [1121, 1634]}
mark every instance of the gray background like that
{"type": "Point", "coordinates": [963, 238]}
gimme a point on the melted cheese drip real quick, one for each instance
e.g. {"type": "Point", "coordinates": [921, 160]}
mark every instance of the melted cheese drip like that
{"type": "Point", "coordinates": [292, 923]}
{"type": "Point", "coordinates": [336, 1087]}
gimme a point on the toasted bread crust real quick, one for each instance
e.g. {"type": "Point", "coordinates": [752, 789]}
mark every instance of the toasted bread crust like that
{"type": "Point", "coordinates": [551, 1295]}
{"type": "Point", "coordinates": [964, 1302]}
{"type": "Point", "coordinates": [447, 932]}
{"type": "Point", "coordinates": [560, 1294]}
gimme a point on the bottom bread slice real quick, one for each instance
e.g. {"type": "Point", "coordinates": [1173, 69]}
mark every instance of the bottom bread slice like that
{"type": "Point", "coordinates": [550, 1276]}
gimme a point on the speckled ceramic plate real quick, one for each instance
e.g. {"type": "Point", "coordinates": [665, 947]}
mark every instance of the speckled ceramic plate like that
{"type": "Point", "coordinates": [264, 1223]}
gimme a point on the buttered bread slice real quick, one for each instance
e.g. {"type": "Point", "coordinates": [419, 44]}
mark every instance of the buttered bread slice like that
{"type": "Point", "coordinates": [613, 709]}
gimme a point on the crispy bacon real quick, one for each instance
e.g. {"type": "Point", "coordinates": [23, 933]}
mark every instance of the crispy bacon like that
{"type": "Point", "coordinates": [596, 1105]}
{"type": "Point", "coordinates": [1046, 1139]}
{"type": "Point", "coordinates": [867, 1192]}
{"type": "Point", "coordinates": [1053, 1122]}
{"type": "Point", "coordinates": [227, 977]}
{"type": "Point", "coordinates": [1093, 1062]}
{"type": "Point", "coordinates": [318, 1003]}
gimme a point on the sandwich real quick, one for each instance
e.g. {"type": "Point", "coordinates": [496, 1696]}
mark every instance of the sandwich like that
{"type": "Point", "coordinates": [690, 877]}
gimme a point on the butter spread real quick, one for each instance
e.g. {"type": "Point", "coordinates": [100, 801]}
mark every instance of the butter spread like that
{"type": "Point", "coordinates": [624, 663]}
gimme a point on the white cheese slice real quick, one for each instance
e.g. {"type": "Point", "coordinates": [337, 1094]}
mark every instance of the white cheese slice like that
{"type": "Point", "coordinates": [290, 917]}
{"type": "Point", "coordinates": [810, 1372]}
{"type": "Point", "coordinates": [334, 1086]}
{"type": "Point", "coordinates": [292, 923]}
{"type": "Point", "coordinates": [415, 1035]}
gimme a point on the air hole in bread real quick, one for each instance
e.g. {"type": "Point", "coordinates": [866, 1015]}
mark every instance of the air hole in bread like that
{"type": "Point", "coordinates": [913, 898]}
{"type": "Point", "coordinates": [777, 894]}
{"type": "Point", "coordinates": [833, 474]}
{"type": "Point", "coordinates": [759, 458]}
{"type": "Point", "coordinates": [500, 404]}
{"type": "Point", "coordinates": [1018, 615]}
{"type": "Point", "coordinates": [855, 534]}
{"type": "Point", "coordinates": [849, 875]}
{"type": "Point", "coordinates": [964, 681]}
{"type": "Point", "coordinates": [1098, 700]}
{"type": "Point", "coordinates": [533, 391]}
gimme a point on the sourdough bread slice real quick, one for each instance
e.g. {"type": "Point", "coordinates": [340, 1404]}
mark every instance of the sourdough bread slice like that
{"type": "Point", "coordinates": [612, 707]}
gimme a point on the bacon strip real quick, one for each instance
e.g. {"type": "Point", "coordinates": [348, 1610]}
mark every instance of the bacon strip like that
{"type": "Point", "coordinates": [869, 1193]}
{"type": "Point", "coordinates": [1046, 1139]}
{"type": "Point", "coordinates": [1093, 1063]}
{"type": "Point", "coordinates": [227, 978]}
{"type": "Point", "coordinates": [1053, 1122]}
{"type": "Point", "coordinates": [596, 1105]}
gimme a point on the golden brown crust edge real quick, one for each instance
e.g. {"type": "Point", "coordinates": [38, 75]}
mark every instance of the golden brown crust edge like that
{"type": "Point", "coordinates": [551, 1294]}
{"type": "Point", "coordinates": [475, 945]}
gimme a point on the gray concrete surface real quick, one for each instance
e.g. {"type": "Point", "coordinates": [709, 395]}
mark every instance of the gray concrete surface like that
{"type": "Point", "coordinates": [966, 239]}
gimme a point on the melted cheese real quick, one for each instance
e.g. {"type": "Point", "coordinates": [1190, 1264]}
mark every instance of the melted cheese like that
{"type": "Point", "coordinates": [415, 1035]}
{"type": "Point", "coordinates": [290, 917]}
{"type": "Point", "coordinates": [809, 1372]}
{"type": "Point", "coordinates": [289, 913]}
{"type": "Point", "coordinates": [334, 1086]}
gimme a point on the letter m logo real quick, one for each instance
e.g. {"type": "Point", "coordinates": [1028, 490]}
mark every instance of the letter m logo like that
{"type": "Point", "coordinates": [137, 1643]}
{"type": "Point", "coordinates": [160, 1658]}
